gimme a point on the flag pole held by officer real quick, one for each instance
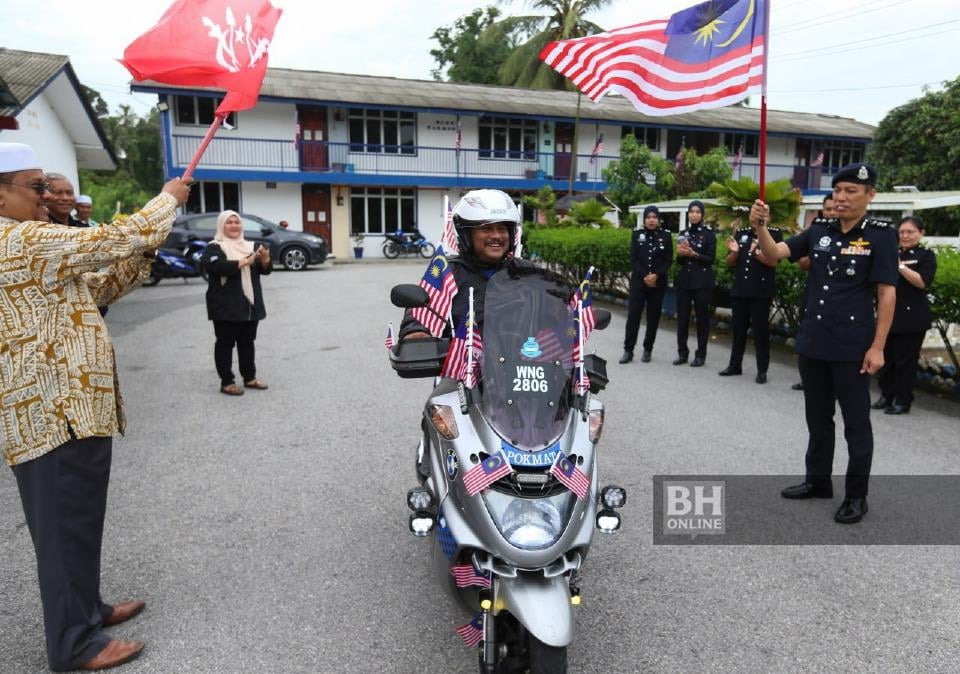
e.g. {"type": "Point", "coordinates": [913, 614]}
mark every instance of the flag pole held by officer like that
{"type": "Point", "coordinates": [840, 343]}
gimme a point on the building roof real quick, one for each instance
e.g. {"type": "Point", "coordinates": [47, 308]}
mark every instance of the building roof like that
{"type": "Point", "coordinates": [346, 89]}
{"type": "Point", "coordinates": [28, 74]}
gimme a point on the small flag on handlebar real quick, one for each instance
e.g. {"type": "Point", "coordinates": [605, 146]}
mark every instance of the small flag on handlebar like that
{"type": "Point", "coordinates": [581, 382]}
{"type": "Point", "coordinates": [466, 575]}
{"type": "Point", "coordinates": [486, 473]}
{"type": "Point", "coordinates": [472, 632]}
{"type": "Point", "coordinates": [587, 318]}
{"type": "Point", "coordinates": [440, 285]}
{"type": "Point", "coordinates": [570, 476]}
{"type": "Point", "coordinates": [389, 342]}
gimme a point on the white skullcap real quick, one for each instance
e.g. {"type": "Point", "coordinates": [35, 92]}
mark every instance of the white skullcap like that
{"type": "Point", "coordinates": [17, 157]}
{"type": "Point", "coordinates": [84, 199]}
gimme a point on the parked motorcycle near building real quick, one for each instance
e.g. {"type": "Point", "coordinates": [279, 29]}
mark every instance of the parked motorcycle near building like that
{"type": "Point", "coordinates": [509, 470]}
{"type": "Point", "coordinates": [182, 262]}
{"type": "Point", "coordinates": [407, 243]}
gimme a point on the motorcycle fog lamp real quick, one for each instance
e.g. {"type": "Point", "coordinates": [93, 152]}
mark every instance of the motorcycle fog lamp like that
{"type": "Point", "coordinates": [613, 496]}
{"type": "Point", "coordinates": [421, 523]}
{"type": "Point", "coordinates": [419, 498]}
{"type": "Point", "coordinates": [443, 419]}
{"type": "Point", "coordinates": [608, 521]}
{"type": "Point", "coordinates": [596, 425]}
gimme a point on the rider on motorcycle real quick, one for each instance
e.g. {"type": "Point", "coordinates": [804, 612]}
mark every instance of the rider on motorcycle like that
{"type": "Point", "coordinates": [486, 223]}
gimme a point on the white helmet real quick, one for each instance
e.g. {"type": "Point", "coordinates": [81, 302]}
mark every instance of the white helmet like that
{"type": "Point", "coordinates": [483, 207]}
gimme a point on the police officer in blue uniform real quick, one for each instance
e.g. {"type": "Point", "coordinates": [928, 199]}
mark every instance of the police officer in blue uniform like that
{"type": "Point", "coordinates": [695, 281]}
{"type": "Point", "coordinates": [651, 253]}
{"type": "Point", "coordinates": [754, 285]}
{"type": "Point", "coordinates": [911, 319]}
{"type": "Point", "coordinates": [840, 343]}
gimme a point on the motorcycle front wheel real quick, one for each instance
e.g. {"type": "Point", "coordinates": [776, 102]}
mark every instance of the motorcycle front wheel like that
{"type": "Point", "coordinates": [427, 250]}
{"type": "Point", "coordinates": [391, 250]}
{"type": "Point", "coordinates": [546, 659]}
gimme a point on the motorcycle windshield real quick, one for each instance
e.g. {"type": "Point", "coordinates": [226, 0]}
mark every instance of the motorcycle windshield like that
{"type": "Point", "coordinates": [528, 338]}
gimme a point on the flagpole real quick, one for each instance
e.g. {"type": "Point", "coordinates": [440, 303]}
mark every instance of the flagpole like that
{"type": "Point", "coordinates": [217, 121]}
{"type": "Point", "coordinates": [763, 102]}
{"type": "Point", "coordinates": [469, 374]}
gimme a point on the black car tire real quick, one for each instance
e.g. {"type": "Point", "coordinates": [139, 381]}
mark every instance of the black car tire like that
{"type": "Point", "coordinates": [391, 250]}
{"type": "Point", "coordinates": [295, 258]}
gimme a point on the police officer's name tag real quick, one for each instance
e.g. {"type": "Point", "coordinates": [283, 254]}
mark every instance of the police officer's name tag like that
{"type": "Point", "coordinates": [855, 250]}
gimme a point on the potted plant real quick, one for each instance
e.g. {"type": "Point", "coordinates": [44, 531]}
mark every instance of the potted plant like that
{"type": "Point", "coordinates": [358, 245]}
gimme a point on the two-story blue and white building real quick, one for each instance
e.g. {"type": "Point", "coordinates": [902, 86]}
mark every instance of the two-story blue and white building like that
{"type": "Point", "coordinates": [338, 154]}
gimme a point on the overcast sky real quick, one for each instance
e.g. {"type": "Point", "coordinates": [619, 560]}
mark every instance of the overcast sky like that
{"type": "Point", "coordinates": [854, 58]}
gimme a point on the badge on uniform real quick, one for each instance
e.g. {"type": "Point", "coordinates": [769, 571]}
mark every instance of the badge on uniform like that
{"type": "Point", "coordinates": [642, 237]}
{"type": "Point", "coordinates": [744, 238]}
{"type": "Point", "coordinates": [823, 243]}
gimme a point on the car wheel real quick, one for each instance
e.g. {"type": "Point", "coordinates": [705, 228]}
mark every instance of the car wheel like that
{"type": "Point", "coordinates": [295, 258]}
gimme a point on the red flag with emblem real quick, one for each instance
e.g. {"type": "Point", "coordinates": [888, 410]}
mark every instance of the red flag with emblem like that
{"type": "Point", "coordinates": [208, 43]}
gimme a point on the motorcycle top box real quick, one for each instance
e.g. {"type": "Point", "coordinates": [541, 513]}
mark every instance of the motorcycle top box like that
{"type": "Point", "coordinates": [508, 468]}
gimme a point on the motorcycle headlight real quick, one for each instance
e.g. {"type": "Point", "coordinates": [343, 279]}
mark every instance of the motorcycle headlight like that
{"type": "Point", "coordinates": [530, 524]}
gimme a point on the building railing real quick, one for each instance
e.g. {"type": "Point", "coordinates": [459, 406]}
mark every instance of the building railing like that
{"type": "Point", "coordinates": [257, 154]}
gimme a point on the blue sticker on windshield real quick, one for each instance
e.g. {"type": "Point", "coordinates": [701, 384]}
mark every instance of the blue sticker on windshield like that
{"type": "Point", "coordinates": [541, 459]}
{"type": "Point", "coordinates": [530, 348]}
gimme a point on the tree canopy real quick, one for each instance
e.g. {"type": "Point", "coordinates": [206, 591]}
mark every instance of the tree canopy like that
{"type": "Point", "coordinates": [473, 48]}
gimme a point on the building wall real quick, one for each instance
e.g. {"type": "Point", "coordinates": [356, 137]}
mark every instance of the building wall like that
{"type": "Point", "coordinates": [282, 203]}
{"type": "Point", "coordinates": [41, 129]}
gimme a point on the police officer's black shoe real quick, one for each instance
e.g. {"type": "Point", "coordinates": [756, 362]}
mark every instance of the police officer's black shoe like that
{"type": "Point", "coordinates": [680, 360]}
{"type": "Point", "coordinates": [808, 490]}
{"type": "Point", "coordinates": [898, 409]}
{"type": "Point", "coordinates": [645, 358]}
{"type": "Point", "coordinates": [626, 357]}
{"type": "Point", "coordinates": [798, 386]}
{"type": "Point", "coordinates": [851, 511]}
{"type": "Point", "coordinates": [882, 403]}
{"type": "Point", "coordinates": [761, 378]}
{"type": "Point", "coordinates": [730, 371]}
{"type": "Point", "coordinates": [697, 362]}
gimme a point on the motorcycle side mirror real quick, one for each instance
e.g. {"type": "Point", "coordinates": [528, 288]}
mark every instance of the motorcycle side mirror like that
{"type": "Point", "coordinates": [409, 296]}
{"type": "Point", "coordinates": [603, 319]}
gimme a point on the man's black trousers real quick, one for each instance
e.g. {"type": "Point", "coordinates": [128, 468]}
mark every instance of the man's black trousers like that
{"type": "Point", "coordinates": [826, 383]}
{"type": "Point", "coordinates": [700, 298]}
{"type": "Point", "coordinates": [64, 496]}
{"type": "Point", "coordinates": [243, 334]}
{"type": "Point", "coordinates": [751, 312]}
{"type": "Point", "coordinates": [643, 295]}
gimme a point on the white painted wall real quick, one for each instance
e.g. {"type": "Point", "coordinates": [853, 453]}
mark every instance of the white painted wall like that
{"type": "Point", "coordinates": [282, 203]}
{"type": "Point", "coordinates": [41, 129]}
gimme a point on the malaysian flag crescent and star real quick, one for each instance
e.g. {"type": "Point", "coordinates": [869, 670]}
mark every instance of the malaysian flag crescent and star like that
{"type": "Point", "coordinates": [438, 282]}
{"type": "Point", "coordinates": [486, 473]}
{"type": "Point", "coordinates": [570, 476]}
{"type": "Point", "coordinates": [710, 55]}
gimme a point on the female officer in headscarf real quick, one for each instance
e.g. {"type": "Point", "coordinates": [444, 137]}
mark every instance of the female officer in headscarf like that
{"type": "Point", "coordinates": [695, 280]}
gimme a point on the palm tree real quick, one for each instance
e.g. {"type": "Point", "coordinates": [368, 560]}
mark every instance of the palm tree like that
{"type": "Point", "coordinates": [565, 20]}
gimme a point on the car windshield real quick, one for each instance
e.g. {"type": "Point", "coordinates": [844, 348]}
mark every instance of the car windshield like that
{"type": "Point", "coordinates": [528, 332]}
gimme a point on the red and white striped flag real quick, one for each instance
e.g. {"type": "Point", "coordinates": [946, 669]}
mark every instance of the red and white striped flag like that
{"type": "Point", "coordinates": [570, 476]}
{"type": "Point", "coordinates": [466, 575]}
{"type": "Point", "coordinates": [472, 632]}
{"type": "Point", "coordinates": [389, 342]}
{"type": "Point", "coordinates": [706, 56]}
{"type": "Point", "coordinates": [448, 240]}
{"type": "Point", "coordinates": [440, 285]}
{"type": "Point", "coordinates": [486, 473]}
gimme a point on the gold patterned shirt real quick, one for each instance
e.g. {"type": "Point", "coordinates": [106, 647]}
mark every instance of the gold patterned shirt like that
{"type": "Point", "coordinates": [56, 358]}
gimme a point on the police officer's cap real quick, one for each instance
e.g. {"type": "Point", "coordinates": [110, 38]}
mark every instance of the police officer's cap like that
{"type": "Point", "coordinates": [862, 174]}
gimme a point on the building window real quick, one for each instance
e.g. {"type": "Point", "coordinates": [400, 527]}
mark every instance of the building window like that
{"type": "Point", "coordinates": [748, 141]}
{"type": "Point", "coordinates": [198, 111]}
{"type": "Point", "coordinates": [644, 135]}
{"type": "Point", "coordinates": [213, 197]}
{"type": "Point", "coordinates": [379, 210]}
{"type": "Point", "coordinates": [701, 141]}
{"type": "Point", "coordinates": [503, 138]}
{"type": "Point", "coordinates": [383, 131]}
{"type": "Point", "coordinates": [839, 153]}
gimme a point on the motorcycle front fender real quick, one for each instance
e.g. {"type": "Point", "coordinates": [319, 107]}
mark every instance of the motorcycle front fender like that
{"type": "Point", "coordinates": [542, 605]}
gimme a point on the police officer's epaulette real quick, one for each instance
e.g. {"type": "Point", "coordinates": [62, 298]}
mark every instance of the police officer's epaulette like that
{"type": "Point", "coordinates": [877, 223]}
{"type": "Point", "coordinates": [822, 221]}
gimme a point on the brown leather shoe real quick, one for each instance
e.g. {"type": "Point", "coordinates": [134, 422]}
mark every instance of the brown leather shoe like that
{"type": "Point", "coordinates": [117, 652]}
{"type": "Point", "coordinates": [257, 384]}
{"type": "Point", "coordinates": [231, 390]}
{"type": "Point", "coordinates": [124, 611]}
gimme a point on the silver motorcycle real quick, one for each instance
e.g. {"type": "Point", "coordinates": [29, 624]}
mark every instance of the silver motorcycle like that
{"type": "Point", "coordinates": [508, 470]}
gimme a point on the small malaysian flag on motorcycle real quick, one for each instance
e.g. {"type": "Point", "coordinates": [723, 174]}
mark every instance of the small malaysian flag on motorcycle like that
{"type": "Point", "coordinates": [472, 632]}
{"type": "Point", "coordinates": [581, 381]}
{"type": "Point", "coordinates": [389, 342]}
{"type": "Point", "coordinates": [570, 476]}
{"type": "Point", "coordinates": [466, 575]}
{"type": "Point", "coordinates": [486, 473]}
{"type": "Point", "coordinates": [440, 285]}
{"type": "Point", "coordinates": [448, 240]}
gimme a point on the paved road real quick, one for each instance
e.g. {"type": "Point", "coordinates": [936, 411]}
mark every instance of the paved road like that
{"type": "Point", "coordinates": [268, 533]}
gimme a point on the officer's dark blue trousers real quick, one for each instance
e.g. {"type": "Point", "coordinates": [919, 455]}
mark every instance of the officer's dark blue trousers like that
{"type": "Point", "coordinates": [826, 383]}
{"type": "Point", "coordinates": [642, 295]}
{"type": "Point", "coordinates": [700, 298]}
{"type": "Point", "coordinates": [900, 355]}
{"type": "Point", "coordinates": [64, 496]}
{"type": "Point", "coordinates": [751, 312]}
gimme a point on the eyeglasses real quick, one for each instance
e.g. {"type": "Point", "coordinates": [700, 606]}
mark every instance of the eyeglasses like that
{"type": "Point", "coordinates": [39, 188]}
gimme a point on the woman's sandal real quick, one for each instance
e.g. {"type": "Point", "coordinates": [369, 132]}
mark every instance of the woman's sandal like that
{"type": "Point", "coordinates": [256, 383]}
{"type": "Point", "coordinates": [231, 390]}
